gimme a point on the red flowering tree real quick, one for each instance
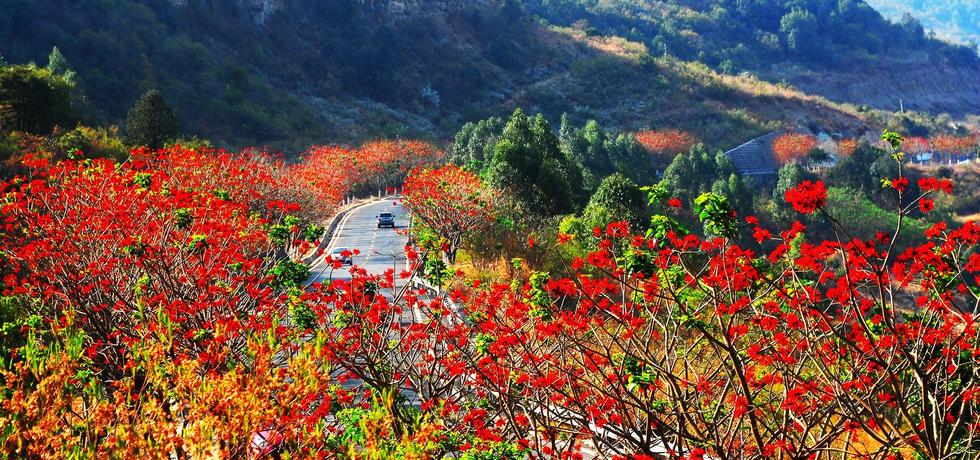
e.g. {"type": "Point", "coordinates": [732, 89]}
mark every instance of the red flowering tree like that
{"type": "Point", "coordinates": [335, 171]}
{"type": "Point", "coordinates": [666, 141]}
{"type": "Point", "coordinates": [167, 238]}
{"type": "Point", "coordinates": [451, 201]}
{"type": "Point", "coordinates": [915, 145]}
{"type": "Point", "coordinates": [665, 144]}
{"type": "Point", "coordinates": [791, 147]}
{"type": "Point", "coordinates": [846, 147]}
{"type": "Point", "coordinates": [655, 345]}
{"type": "Point", "coordinates": [949, 144]}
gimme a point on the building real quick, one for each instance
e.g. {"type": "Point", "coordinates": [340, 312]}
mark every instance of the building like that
{"type": "Point", "coordinates": [755, 158]}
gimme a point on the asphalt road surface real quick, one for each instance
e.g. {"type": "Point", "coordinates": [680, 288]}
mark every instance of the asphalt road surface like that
{"type": "Point", "coordinates": [380, 249]}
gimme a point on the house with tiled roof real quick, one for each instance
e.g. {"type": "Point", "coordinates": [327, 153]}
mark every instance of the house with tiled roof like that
{"type": "Point", "coordinates": [755, 158]}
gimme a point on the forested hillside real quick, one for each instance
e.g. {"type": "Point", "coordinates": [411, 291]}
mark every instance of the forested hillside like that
{"type": "Point", "coordinates": [739, 34]}
{"type": "Point", "coordinates": [957, 20]}
{"type": "Point", "coordinates": [843, 50]}
{"type": "Point", "coordinates": [287, 73]}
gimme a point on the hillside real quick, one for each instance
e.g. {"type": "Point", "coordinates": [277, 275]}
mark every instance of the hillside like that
{"type": "Point", "coordinates": [957, 20]}
{"type": "Point", "coordinates": [288, 73]}
{"type": "Point", "coordinates": [859, 56]}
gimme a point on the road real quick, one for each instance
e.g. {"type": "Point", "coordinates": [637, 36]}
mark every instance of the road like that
{"type": "Point", "coordinates": [380, 249]}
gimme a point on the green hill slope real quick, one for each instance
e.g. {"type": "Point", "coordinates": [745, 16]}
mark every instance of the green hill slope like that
{"type": "Point", "coordinates": [288, 73]}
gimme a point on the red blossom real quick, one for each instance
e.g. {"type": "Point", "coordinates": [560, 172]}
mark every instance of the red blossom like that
{"type": "Point", "coordinates": [807, 197]}
{"type": "Point", "coordinates": [926, 205]}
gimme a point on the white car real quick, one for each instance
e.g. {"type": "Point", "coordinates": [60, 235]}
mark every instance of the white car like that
{"type": "Point", "coordinates": [344, 254]}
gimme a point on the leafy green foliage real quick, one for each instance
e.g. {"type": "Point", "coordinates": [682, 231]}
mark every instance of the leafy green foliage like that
{"type": "Point", "coordinates": [716, 214]}
{"type": "Point", "coordinates": [617, 198]}
{"type": "Point", "coordinates": [864, 170]}
{"type": "Point", "coordinates": [151, 122]}
{"type": "Point", "coordinates": [751, 33]}
{"type": "Point", "coordinates": [603, 153]}
{"type": "Point", "coordinates": [37, 100]}
{"type": "Point", "coordinates": [14, 319]}
{"type": "Point", "coordinates": [863, 218]}
{"type": "Point", "coordinates": [529, 164]}
{"type": "Point", "coordinates": [556, 175]}
{"type": "Point", "coordinates": [474, 144]}
{"type": "Point", "coordinates": [697, 172]}
{"type": "Point", "coordinates": [290, 274]}
{"type": "Point", "coordinates": [58, 65]}
{"type": "Point", "coordinates": [799, 28]}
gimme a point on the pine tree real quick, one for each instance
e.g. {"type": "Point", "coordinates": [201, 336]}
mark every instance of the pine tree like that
{"type": "Point", "coordinates": [151, 122]}
{"type": "Point", "coordinates": [529, 164]}
{"type": "Point", "coordinates": [57, 63]}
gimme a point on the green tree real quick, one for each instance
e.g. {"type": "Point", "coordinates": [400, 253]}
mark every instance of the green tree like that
{"type": "Point", "coordinates": [58, 64]}
{"type": "Point", "coordinates": [855, 171]}
{"type": "Point", "coordinates": [697, 172]}
{"type": "Point", "coordinates": [529, 164]}
{"type": "Point", "coordinates": [35, 100]}
{"type": "Point", "coordinates": [151, 122]}
{"type": "Point", "coordinates": [474, 144]}
{"type": "Point", "coordinates": [568, 139]}
{"type": "Point", "coordinates": [799, 29]}
{"type": "Point", "coordinates": [602, 153]}
{"type": "Point", "coordinates": [512, 10]}
{"type": "Point", "coordinates": [595, 154]}
{"type": "Point", "coordinates": [617, 198]}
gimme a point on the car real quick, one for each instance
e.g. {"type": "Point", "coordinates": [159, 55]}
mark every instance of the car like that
{"type": "Point", "coordinates": [343, 254]}
{"type": "Point", "coordinates": [266, 444]}
{"type": "Point", "coordinates": [386, 219]}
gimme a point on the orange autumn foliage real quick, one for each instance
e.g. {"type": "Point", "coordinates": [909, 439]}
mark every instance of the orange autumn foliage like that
{"type": "Point", "coordinates": [791, 146]}
{"type": "Point", "coordinates": [666, 142]}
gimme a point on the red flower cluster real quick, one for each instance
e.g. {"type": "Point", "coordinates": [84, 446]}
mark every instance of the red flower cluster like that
{"type": "Point", "coordinates": [846, 147]}
{"type": "Point", "coordinates": [916, 145]}
{"type": "Point", "coordinates": [930, 184]}
{"type": "Point", "coordinates": [807, 197]}
{"type": "Point", "coordinates": [945, 143]}
{"type": "Point", "coordinates": [452, 202]}
{"type": "Point", "coordinates": [666, 142]}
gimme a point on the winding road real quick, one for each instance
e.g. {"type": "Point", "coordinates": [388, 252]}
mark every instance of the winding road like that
{"type": "Point", "coordinates": [379, 249]}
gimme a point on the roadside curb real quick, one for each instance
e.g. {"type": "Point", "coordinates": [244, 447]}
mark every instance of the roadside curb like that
{"type": "Point", "coordinates": [332, 228]}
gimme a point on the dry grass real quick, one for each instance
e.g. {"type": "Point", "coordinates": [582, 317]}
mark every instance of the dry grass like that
{"type": "Point", "coordinates": [616, 46]}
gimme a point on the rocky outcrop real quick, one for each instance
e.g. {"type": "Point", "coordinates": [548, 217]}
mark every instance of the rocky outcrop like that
{"type": "Point", "coordinates": [398, 10]}
{"type": "Point", "coordinates": [258, 10]}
